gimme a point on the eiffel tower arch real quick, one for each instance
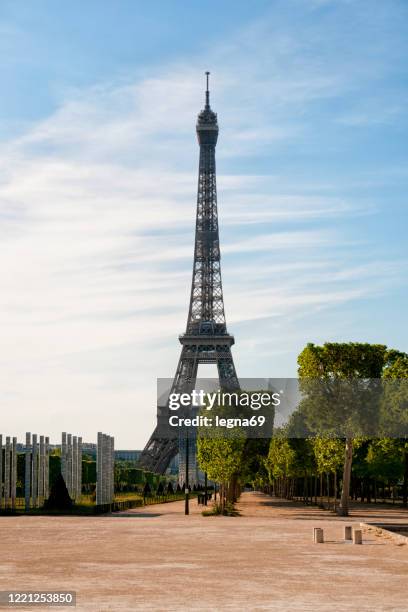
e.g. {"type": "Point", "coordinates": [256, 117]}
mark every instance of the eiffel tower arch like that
{"type": "Point", "coordinates": [206, 339]}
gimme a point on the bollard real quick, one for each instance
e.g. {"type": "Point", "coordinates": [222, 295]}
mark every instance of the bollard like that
{"type": "Point", "coordinates": [318, 535]}
{"type": "Point", "coordinates": [357, 536]}
{"type": "Point", "coordinates": [348, 532]}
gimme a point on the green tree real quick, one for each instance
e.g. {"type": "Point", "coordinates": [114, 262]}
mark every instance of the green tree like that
{"type": "Point", "coordinates": [384, 459]}
{"type": "Point", "coordinates": [231, 456]}
{"type": "Point", "coordinates": [221, 457]}
{"type": "Point", "coordinates": [339, 383]}
{"type": "Point", "coordinates": [289, 458]}
{"type": "Point", "coordinates": [281, 461]}
{"type": "Point", "coordinates": [329, 456]}
{"type": "Point", "coordinates": [329, 453]}
{"type": "Point", "coordinates": [253, 468]}
{"type": "Point", "coordinates": [394, 409]}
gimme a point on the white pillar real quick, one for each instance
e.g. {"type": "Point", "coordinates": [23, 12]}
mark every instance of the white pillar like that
{"type": "Point", "coordinates": [69, 464]}
{"type": "Point", "coordinates": [74, 467]}
{"type": "Point", "coordinates": [7, 473]}
{"type": "Point", "coordinates": [1, 472]}
{"type": "Point", "coordinates": [27, 474]}
{"type": "Point", "coordinates": [34, 472]}
{"type": "Point", "coordinates": [112, 492]}
{"type": "Point", "coordinates": [41, 472]}
{"type": "Point", "coordinates": [99, 469]}
{"type": "Point", "coordinates": [105, 470]}
{"type": "Point", "coordinates": [105, 465]}
{"type": "Point", "coordinates": [64, 457]}
{"type": "Point", "coordinates": [108, 469]}
{"type": "Point", "coordinates": [13, 473]}
{"type": "Point", "coordinates": [79, 471]}
{"type": "Point", "coordinates": [47, 468]}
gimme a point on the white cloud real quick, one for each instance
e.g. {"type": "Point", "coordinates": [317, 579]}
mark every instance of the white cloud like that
{"type": "Point", "coordinates": [97, 216]}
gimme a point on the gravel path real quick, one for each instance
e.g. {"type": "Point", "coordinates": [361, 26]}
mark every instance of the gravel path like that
{"type": "Point", "coordinates": [155, 558]}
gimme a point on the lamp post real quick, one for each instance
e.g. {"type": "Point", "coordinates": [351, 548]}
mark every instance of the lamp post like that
{"type": "Point", "coordinates": [186, 491]}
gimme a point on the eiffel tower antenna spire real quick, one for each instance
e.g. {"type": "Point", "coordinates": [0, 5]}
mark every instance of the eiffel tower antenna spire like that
{"type": "Point", "coordinates": [207, 92]}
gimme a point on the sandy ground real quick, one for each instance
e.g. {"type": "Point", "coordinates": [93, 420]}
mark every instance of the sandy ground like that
{"type": "Point", "coordinates": [157, 559]}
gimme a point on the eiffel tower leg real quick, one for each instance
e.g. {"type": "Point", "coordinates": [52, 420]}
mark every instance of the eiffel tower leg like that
{"type": "Point", "coordinates": [226, 371]}
{"type": "Point", "coordinates": [160, 450]}
{"type": "Point", "coordinates": [186, 373]}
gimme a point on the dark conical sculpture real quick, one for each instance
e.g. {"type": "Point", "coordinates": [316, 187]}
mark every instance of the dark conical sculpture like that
{"type": "Point", "coordinates": [59, 498]}
{"type": "Point", "coordinates": [147, 490]}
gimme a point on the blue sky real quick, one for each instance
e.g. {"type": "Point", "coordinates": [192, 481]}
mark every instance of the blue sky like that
{"type": "Point", "coordinates": [98, 185]}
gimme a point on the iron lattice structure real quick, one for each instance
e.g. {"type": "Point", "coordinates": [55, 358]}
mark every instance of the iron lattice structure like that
{"type": "Point", "coordinates": [206, 339]}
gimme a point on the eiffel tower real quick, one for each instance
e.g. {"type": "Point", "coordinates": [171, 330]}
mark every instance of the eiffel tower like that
{"type": "Point", "coordinates": [206, 339]}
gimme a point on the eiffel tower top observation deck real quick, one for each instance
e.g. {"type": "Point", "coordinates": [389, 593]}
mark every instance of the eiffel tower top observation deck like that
{"type": "Point", "coordinates": [207, 125]}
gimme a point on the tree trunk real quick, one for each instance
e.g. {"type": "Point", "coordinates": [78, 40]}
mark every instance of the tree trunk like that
{"type": "Point", "coordinates": [321, 488]}
{"type": "Point", "coordinates": [222, 496]}
{"type": "Point", "coordinates": [405, 482]}
{"type": "Point", "coordinates": [232, 489]}
{"type": "Point", "coordinates": [229, 492]}
{"type": "Point", "coordinates": [328, 490]}
{"type": "Point", "coordinates": [348, 459]}
{"type": "Point", "coordinates": [335, 491]}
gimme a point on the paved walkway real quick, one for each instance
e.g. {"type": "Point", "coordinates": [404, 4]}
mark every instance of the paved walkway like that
{"type": "Point", "coordinates": [155, 558]}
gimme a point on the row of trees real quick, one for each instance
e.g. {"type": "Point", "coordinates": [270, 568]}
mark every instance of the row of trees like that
{"type": "Point", "coordinates": [232, 461]}
{"type": "Point", "coordinates": [350, 429]}
{"type": "Point", "coordinates": [344, 392]}
{"type": "Point", "coordinates": [310, 468]}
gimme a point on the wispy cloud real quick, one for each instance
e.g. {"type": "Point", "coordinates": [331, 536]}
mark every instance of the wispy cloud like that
{"type": "Point", "coordinates": [97, 207]}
